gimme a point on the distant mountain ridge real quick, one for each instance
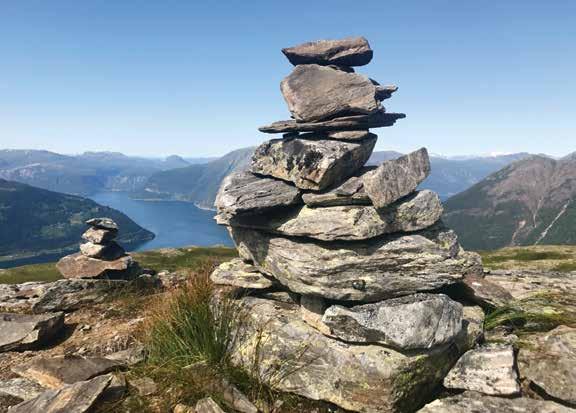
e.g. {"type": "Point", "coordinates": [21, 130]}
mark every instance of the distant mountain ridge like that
{"type": "Point", "coordinates": [531, 201]}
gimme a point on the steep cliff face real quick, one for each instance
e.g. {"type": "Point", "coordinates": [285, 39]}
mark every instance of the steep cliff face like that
{"type": "Point", "coordinates": [532, 201]}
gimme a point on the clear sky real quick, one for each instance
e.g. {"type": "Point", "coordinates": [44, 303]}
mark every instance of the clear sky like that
{"type": "Point", "coordinates": [197, 78]}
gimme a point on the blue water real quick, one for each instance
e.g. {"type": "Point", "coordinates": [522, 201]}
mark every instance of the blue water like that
{"type": "Point", "coordinates": [176, 224]}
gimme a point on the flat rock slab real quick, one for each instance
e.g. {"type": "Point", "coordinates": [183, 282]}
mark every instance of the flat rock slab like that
{"type": "Point", "coordinates": [103, 223]}
{"type": "Point", "coordinates": [548, 363]}
{"type": "Point", "coordinates": [21, 388]}
{"type": "Point", "coordinates": [237, 273]}
{"type": "Point", "coordinates": [485, 293]}
{"type": "Point", "coordinates": [396, 178]}
{"type": "Point", "coordinates": [352, 135]}
{"type": "Point", "coordinates": [371, 270]}
{"type": "Point", "coordinates": [109, 252]}
{"type": "Point", "coordinates": [469, 402]}
{"type": "Point", "coordinates": [19, 332]}
{"type": "Point", "coordinates": [366, 378]}
{"type": "Point", "coordinates": [379, 119]}
{"type": "Point", "coordinates": [75, 398]}
{"type": "Point", "coordinates": [81, 266]}
{"type": "Point", "coordinates": [350, 192]}
{"type": "Point", "coordinates": [490, 370]}
{"type": "Point", "coordinates": [413, 322]}
{"type": "Point", "coordinates": [246, 193]}
{"type": "Point", "coordinates": [99, 235]}
{"type": "Point", "coordinates": [350, 223]}
{"type": "Point", "coordinates": [18, 297]}
{"type": "Point", "coordinates": [350, 51]}
{"type": "Point", "coordinates": [56, 372]}
{"type": "Point", "coordinates": [315, 93]}
{"type": "Point", "coordinates": [311, 164]}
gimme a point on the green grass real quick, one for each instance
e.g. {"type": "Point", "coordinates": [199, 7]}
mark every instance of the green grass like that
{"type": "Point", "coordinates": [37, 272]}
{"type": "Point", "coordinates": [525, 255]}
{"type": "Point", "coordinates": [537, 257]}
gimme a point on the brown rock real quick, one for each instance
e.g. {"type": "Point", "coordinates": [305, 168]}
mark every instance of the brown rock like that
{"type": "Point", "coordinates": [350, 51]}
{"type": "Point", "coordinates": [80, 266]}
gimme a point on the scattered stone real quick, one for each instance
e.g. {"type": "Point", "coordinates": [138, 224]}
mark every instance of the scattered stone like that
{"type": "Point", "coordinates": [109, 252]}
{"type": "Point", "coordinates": [145, 386]}
{"type": "Point", "coordinates": [473, 325]}
{"type": "Point", "coordinates": [236, 399]}
{"type": "Point", "coordinates": [80, 266]}
{"type": "Point", "coordinates": [311, 164]}
{"type": "Point", "coordinates": [396, 178]}
{"type": "Point", "coordinates": [352, 135]}
{"type": "Point", "coordinates": [469, 402]}
{"type": "Point", "coordinates": [485, 293]}
{"type": "Point", "coordinates": [103, 223]}
{"type": "Point", "coordinates": [208, 405]}
{"type": "Point", "coordinates": [239, 274]}
{"type": "Point", "coordinates": [350, 192]}
{"type": "Point", "coordinates": [350, 51]}
{"type": "Point", "coordinates": [20, 388]}
{"type": "Point", "coordinates": [312, 309]}
{"type": "Point", "coordinates": [75, 398]}
{"type": "Point", "coordinates": [99, 236]}
{"type": "Point", "coordinates": [182, 408]}
{"type": "Point", "coordinates": [20, 297]}
{"type": "Point", "coordinates": [55, 372]}
{"type": "Point", "coordinates": [131, 356]}
{"type": "Point", "coordinates": [19, 332]}
{"type": "Point", "coordinates": [419, 321]}
{"type": "Point", "coordinates": [315, 93]}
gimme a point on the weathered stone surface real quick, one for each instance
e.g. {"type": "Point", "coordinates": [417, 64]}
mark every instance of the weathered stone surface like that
{"type": "Point", "coordinates": [315, 93]}
{"type": "Point", "coordinates": [352, 135]}
{"type": "Point", "coordinates": [16, 297]}
{"type": "Point", "coordinates": [396, 178]}
{"type": "Point", "coordinates": [135, 354]}
{"type": "Point", "coordinates": [246, 193]}
{"type": "Point", "coordinates": [418, 321]}
{"type": "Point", "coordinates": [548, 363]}
{"type": "Point", "coordinates": [103, 223]}
{"type": "Point", "coordinates": [145, 386]}
{"type": "Point", "coordinates": [489, 370]}
{"type": "Point", "coordinates": [109, 252]}
{"type": "Point", "coordinates": [367, 378]}
{"type": "Point", "coordinates": [350, 192]}
{"type": "Point", "coordinates": [350, 51]}
{"type": "Point", "coordinates": [239, 274]}
{"type": "Point", "coordinates": [384, 92]}
{"type": "Point", "coordinates": [525, 283]}
{"type": "Point", "coordinates": [81, 266]}
{"type": "Point", "coordinates": [72, 294]}
{"type": "Point", "coordinates": [485, 293]}
{"type": "Point", "coordinates": [312, 309]}
{"type": "Point", "coordinates": [472, 402]}
{"type": "Point", "coordinates": [207, 405]}
{"type": "Point", "coordinates": [351, 223]}
{"type": "Point", "coordinates": [55, 372]}
{"type": "Point", "coordinates": [20, 388]}
{"type": "Point", "coordinates": [236, 399]}
{"type": "Point", "coordinates": [473, 324]}
{"type": "Point", "coordinates": [376, 120]}
{"type": "Point", "coordinates": [20, 332]}
{"type": "Point", "coordinates": [311, 164]}
{"type": "Point", "coordinates": [75, 398]}
{"type": "Point", "coordinates": [99, 235]}
{"type": "Point", "coordinates": [372, 270]}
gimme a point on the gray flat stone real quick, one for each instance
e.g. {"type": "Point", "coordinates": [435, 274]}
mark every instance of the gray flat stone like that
{"type": "Point", "coordinates": [239, 274]}
{"type": "Point", "coordinates": [21, 388]}
{"type": "Point", "coordinates": [350, 192]}
{"type": "Point", "coordinates": [350, 51]}
{"type": "Point", "coordinates": [19, 332]}
{"type": "Point", "coordinates": [109, 252]}
{"type": "Point", "coordinates": [99, 235]}
{"type": "Point", "coordinates": [81, 266]}
{"type": "Point", "coordinates": [103, 223]}
{"type": "Point", "coordinates": [207, 405]}
{"type": "Point", "coordinates": [352, 135]}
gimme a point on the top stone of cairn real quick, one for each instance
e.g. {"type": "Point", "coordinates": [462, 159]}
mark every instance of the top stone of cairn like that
{"type": "Point", "coordinates": [351, 51]}
{"type": "Point", "coordinates": [103, 223]}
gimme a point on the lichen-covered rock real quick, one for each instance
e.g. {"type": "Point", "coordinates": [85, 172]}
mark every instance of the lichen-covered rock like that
{"type": "Point", "coordinates": [489, 370]}
{"type": "Point", "coordinates": [20, 388]}
{"type": "Point", "coordinates": [370, 270]}
{"type": "Point", "coordinates": [311, 164]}
{"type": "Point", "coordinates": [350, 51]}
{"type": "Point", "coordinates": [485, 293]}
{"type": "Point", "coordinates": [418, 321]}
{"type": "Point", "coordinates": [80, 266]}
{"type": "Point", "coordinates": [315, 93]}
{"type": "Point", "coordinates": [237, 273]}
{"type": "Point", "coordinates": [19, 332]}
{"type": "Point", "coordinates": [396, 178]}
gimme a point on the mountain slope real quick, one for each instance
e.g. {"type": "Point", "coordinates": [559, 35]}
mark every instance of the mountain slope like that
{"type": "Point", "coordinates": [532, 201]}
{"type": "Point", "coordinates": [35, 221]}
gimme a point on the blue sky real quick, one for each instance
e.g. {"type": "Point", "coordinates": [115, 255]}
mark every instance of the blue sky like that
{"type": "Point", "coordinates": [198, 77]}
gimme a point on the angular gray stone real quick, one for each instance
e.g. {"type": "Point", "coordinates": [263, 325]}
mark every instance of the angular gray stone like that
{"type": "Point", "coordinates": [367, 378]}
{"type": "Point", "coordinates": [350, 51]}
{"type": "Point", "coordinates": [239, 274]}
{"type": "Point", "coordinates": [350, 192]}
{"type": "Point", "coordinates": [385, 92]}
{"type": "Point", "coordinates": [108, 252]}
{"type": "Point", "coordinates": [472, 402]}
{"type": "Point", "coordinates": [371, 270]}
{"type": "Point", "coordinates": [145, 386]}
{"type": "Point", "coordinates": [236, 399]}
{"type": "Point", "coordinates": [489, 369]}
{"type": "Point", "coordinates": [311, 310]}
{"type": "Point", "coordinates": [379, 119]}
{"type": "Point", "coordinates": [350, 223]}
{"type": "Point", "coordinates": [485, 293]}
{"type": "Point", "coordinates": [19, 332]}
{"type": "Point", "coordinates": [103, 223]}
{"type": "Point", "coordinates": [396, 178]}
{"type": "Point", "coordinates": [99, 235]}
{"type": "Point", "coordinates": [207, 405]}
{"type": "Point", "coordinates": [315, 93]}
{"type": "Point", "coordinates": [352, 135]}
{"type": "Point", "coordinates": [311, 164]}
{"type": "Point", "coordinates": [75, 398]}
{"type": "Point", "coordinates": [20, 388]}
{"type": "Point", "coordinates": [19, 297]}
{"type": "Point", "coordinates": [413, 322]}
{"type": "Point", "coordinates": [80, 266]}
{"type": "Point", "coordinates": [246, 193]}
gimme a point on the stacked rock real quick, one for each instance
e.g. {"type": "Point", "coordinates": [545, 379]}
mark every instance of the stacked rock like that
{"type": "Point", "coordinates": [100, 255]}
{"type": "Point", "coordinates": [360, 246]}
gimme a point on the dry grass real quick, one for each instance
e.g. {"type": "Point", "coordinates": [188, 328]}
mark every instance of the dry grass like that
{"type": "Point", "coordinates": [538, 257]}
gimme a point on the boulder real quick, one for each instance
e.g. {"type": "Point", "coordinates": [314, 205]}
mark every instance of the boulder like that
{"type": "Point", "coordinates": [470, 401]}
{"type": "Point", "coordinates": [75, 398]}
{"type": "Point", "coordinates": [103, 223]}
{"type": "Point", "coordinates": [99, 235]}
{"type": "Point", "coordinates": [350, 192]}
{"type": "Point", "coordinates": [350, 51]}
{"type": "Point", "coordinates": [350, 223]}
{"type": "Point", "coordinates": [372, 270]}
{"type": "Point", "coordinates": [55, 372]}
{"type": "Point", "coordinates": [237, 273]}
{"type": "Point", "coordinates": [413, 322]}
{"type": "Point", "coordinates": [351, 135]}
{"type": "Point", "coordinates": [20, 388]}
{"type": "Point", "coordinates": [19, 332]}
{"type": "Point", "coordinates": [246, 193]}
{"type": "Point", "coordinates": [294, 357]}
{"type": "Point", "coordinates": [378, 119]}
{"type": "Point", "coordinates": [109, 252]}
{"type": "Point", "coordinates": [548, 364]}
{"type": "Point", "coordinates": [396, 178]}
{"type": "Point", "coordinates": [311, 164]}
{"type": "Point", "coordinates": [485, 293]}
{"type": "Point", "coordinates": [315, 93]}
{"type": "Point", "coordinates": [489, 369]}
{"type": "Point", "coordinates": [80, 266]}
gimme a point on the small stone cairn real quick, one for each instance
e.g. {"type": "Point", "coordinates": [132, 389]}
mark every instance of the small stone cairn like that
{"type": "Point", "coordinates": [343, 262]}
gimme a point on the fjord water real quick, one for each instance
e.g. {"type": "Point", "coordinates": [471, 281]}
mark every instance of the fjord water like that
{"type": "Point", "coordinates": [175, 223]}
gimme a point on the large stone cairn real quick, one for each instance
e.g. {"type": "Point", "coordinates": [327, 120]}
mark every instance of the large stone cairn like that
{"type": "Point", "coordinates": [359, 252]}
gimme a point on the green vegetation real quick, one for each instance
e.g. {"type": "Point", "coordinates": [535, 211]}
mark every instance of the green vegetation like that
{"type": "Point", "coordinates": [26, 273]}
{"type": "Point", "coordinates": [539, 257]}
